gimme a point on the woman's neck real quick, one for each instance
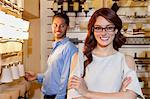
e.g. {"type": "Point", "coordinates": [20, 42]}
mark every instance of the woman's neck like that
{"type": "Point", "coordinates": [104, 51]}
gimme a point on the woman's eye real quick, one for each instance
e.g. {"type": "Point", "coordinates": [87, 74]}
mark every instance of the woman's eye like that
{"type": "Point", "coordinates": [98, 28]}
{"type": "Point", "coordinates": [109, 28]}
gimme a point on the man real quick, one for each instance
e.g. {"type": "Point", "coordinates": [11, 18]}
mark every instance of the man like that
{"type": "Point", "coordinates": [54, 80]}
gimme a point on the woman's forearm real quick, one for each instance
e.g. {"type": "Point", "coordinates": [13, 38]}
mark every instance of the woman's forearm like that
{"type": "Point", "coordinates": [119, 95]}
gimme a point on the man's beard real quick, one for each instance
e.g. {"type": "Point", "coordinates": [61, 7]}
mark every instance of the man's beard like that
{"type": "Point", "coordinates": [61, 36]}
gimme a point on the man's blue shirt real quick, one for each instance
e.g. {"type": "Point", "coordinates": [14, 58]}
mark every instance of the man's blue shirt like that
{"type": "Point", "coordinates": [55, 78]}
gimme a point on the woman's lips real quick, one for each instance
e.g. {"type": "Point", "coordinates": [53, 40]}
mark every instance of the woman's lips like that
{"type": "Point", "coordinates": [104, 38]}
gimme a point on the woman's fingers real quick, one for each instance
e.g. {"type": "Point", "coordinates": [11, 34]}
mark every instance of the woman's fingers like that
{"type": "Point", "coordinates": [74, 82]}
{"type": "Point", "coordinates": [125, 83]}
{"type": "Point", "coordinates": [78, 84]}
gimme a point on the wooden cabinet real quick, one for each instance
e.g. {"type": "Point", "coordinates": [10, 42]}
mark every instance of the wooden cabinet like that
{"type": "Point", "coordinates": [31, 9]}
{"type": "Point", "coordinates": [136, 29]}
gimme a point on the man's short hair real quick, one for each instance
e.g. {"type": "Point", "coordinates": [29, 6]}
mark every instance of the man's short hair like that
{"type": "Point", "coordinates": [62, 15]}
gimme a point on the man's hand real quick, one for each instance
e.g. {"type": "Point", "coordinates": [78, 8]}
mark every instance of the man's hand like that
{"type": "Point", "coordinates": [30, 76]}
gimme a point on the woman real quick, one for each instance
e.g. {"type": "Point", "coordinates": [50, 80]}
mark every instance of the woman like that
{"type": "Point", "coordinates": [105, 67]}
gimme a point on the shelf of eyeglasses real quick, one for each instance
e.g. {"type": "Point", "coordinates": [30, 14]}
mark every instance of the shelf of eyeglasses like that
{"type": "Point", "coordinates": [146, 87]}
{"type": "Point", "coordinates": [134, 2]}
{"type": "Point", "coordinates": [144, 16]}
{"type": "Point", "coordinates": [11, 64]}
{"type": "Point", "coordinates": [139, 35]}
{"type": "Point", "coordinates": [146, 81]}
{"type": "Point", "coordinates": [134, 19]}
{"type": "Point", "coordinates": [5, 40]}
{"type": "Point", "coordinates": [138, 40]}
{"type": "Point", "coordinates": [76, 40]}
{"type": "Point", "coordinates": [135, 32]}
{"type": "Point", "coordinates": [137, 44]}
{"type": "Point", "coordinates": [7, 3]}
{"type": "Point", "coordinates": [141, 59]}
{"type": "Point", "coordinates": [147, 97]}
{"type": "Point", "coordinates": [144, 68]}
{"type": "Point", "coordinates": [10, 54]}
{"type": "Point", "coordinates": [143, 73]}
{"type": "Point", "coordinates": [143, 63]}
{"type": "Point", "coordinates": [146, 92]}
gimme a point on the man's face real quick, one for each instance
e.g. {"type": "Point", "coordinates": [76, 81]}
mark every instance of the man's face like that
{"type": "Point", "coordinates": [59, 28]}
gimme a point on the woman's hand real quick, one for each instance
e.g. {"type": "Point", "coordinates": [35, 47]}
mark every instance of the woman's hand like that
{"type": "Point", "coordinates": [78, 84]}
{"type": "Point", "coordinates": [125, 83]}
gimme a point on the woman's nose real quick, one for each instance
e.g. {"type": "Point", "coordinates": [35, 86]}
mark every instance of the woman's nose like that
{"type": "Point", "coordinates": [103, 32]}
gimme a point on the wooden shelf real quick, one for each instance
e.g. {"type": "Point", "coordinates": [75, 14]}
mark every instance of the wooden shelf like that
{"type": "Point", "coordinates": [146, 91]}
{"type": "Point", "coordinates": [8, 11]}
{"type": "Point", "coordinates": [12, 10]}
{"type": "Point", "coordinates": [131, 3]}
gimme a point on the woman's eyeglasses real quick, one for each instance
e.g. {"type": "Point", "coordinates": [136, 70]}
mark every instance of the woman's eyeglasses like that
{"type": "Point", "coordinates": [108, 28]}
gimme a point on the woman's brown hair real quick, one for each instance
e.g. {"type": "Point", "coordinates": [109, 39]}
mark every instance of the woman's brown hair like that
{"type": "Point", "coordinates": [90, 41]}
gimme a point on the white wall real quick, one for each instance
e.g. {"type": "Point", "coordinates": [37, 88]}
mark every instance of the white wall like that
{"type": "Point", "coordinates": [32, 47]}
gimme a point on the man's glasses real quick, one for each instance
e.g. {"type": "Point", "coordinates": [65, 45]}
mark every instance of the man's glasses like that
{"type": "Point", "coordinates": [108, 28]}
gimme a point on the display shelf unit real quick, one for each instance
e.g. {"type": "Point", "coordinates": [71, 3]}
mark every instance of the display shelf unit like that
{"type": "Point", "coordinates": [12, 37]}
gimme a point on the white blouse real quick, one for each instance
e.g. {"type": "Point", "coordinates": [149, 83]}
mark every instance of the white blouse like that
{"type": "Point", "coordinates": [105, 74]}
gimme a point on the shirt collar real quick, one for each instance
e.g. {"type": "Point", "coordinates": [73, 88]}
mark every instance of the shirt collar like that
{"type": "Point", "coordinates": [63, 41]}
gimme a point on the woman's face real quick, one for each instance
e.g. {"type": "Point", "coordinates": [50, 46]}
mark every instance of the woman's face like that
{"type": "Point", "coordinates": [104, 32]}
